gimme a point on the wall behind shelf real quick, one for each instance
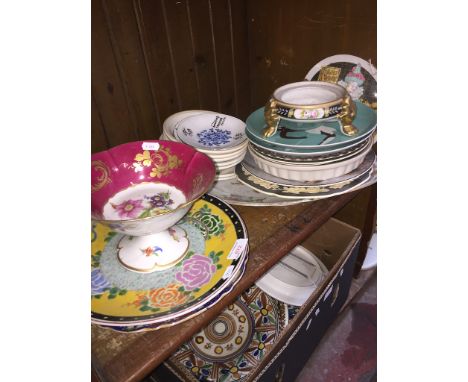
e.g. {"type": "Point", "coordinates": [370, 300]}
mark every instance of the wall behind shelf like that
{"type": "Point", "coordinates": [152, 58]}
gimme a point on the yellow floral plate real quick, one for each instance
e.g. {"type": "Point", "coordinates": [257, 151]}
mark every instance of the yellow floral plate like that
{"type": "Point", "coordinates": [121, 297]}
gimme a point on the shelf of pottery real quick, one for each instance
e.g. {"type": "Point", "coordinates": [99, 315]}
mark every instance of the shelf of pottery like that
{"type": "Point", "coordinates": [168, 243]}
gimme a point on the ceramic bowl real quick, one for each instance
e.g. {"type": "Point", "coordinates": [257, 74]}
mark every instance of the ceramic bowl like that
{"type": "Point", "coordinates": [310, 101]}
{"type": "Point", "coordinates": [171, 122]}
{"type": "Point", "coordinates": [211, 131]}
{"type": "Point", "coordinates": [307, 171]}
{"type": "Point", "coordinates": [144, 187]}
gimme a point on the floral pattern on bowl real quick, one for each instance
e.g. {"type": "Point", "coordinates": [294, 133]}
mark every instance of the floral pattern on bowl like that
{"type": "Point", "coordinates": [172, 166]}
{"type": "Point", "coordinates": [208, 131]}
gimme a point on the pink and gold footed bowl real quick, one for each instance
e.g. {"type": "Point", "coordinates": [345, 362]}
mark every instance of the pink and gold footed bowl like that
{"type": "Point", "coordinates": [142, 189]}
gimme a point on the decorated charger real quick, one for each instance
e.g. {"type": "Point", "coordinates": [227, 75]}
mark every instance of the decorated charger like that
{"type": "Point", "coordinates": [211, 131]}
{"type": "Point", "coordinates": [235, 342]}
{"type": "Point", "coordinates": [310, 101]}
{"type": "Point", "coordinates": [217, 253]}
{"type": "Point", "coordinates": [141, 189]}
{"type": "Point", "coordinates": [356, 75]}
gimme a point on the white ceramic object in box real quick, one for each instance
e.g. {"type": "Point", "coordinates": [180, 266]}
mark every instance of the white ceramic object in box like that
{"type": "Point", "coordinates": [294, 278]}
{"type": "Point", "coordinates": [308, 172]}
{"type": "Point", "coordinates": [211, 131]}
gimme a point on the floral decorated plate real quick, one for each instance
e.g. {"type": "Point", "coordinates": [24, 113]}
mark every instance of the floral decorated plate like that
{"type": "Point", "coordinates": [211, 131]}
{"type": "Point", "coordinates": [217, 239]}
{"type": "Point", "coordinates": [357, 76]}
{"type": "Point", "coordinates": [197, 309]}
{"type": "Point", "coordinates": [289, 189]}
{"type": "Point", "coordinates": [235, 342]}
{"type": "Point", "coordinates": [320, 135]}
{"type": "Point", "coordinates": [171, 122]}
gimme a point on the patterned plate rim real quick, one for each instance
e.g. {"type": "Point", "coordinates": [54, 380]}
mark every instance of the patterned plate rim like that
{"type": "Point", "coordinates": [241, 234]}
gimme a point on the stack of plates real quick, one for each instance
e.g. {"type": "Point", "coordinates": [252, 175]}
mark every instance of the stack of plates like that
{"type": "Point", "coordinates": [314, 155]}
{"type": "Point", "coordinates": [309, 157]}
{"type": "Point", "coordinates": [215, 261]}
{"type": "Point", "coordinates": [220, 136]}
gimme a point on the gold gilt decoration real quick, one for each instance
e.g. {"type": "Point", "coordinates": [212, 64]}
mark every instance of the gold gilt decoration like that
{"type": "Point", "coordinates": [347, 115]}
{"type": "Point", "coordinates": [161, 161]}
{"type": "Point", "coordinates": [197, 184]}
{"type": "Point", "coordinates": [271, 118]}
{"type": "Point", "coordinates": [102, 179]}
{"type": "Point", "coordinates": [340, 185]}
{"type": "Point", "coordinates": [263, 183]}
{"type": "Point", "coordinates": [329, 74]}
{"type": "Point", "coordinates": [372, 105]}
{"type": "Point", "coordinates": [300, 190]}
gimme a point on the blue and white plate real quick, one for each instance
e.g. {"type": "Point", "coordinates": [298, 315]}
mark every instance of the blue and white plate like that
{"type": "Point", "coordinates": [211, 131]}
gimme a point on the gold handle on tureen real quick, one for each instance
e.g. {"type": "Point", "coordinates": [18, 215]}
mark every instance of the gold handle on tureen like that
{"type": "Point", "coordinates": [271, 118]}
{"type": "Point", "coordinates": [347, 116]}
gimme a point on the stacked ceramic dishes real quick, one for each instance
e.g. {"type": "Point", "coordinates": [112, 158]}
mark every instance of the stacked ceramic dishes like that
{"type": "Point", "coordinates": [312, 139]}
{"type": "Point", "coordinates": [162, 249]}
{"type": "Point", "coordinates": [220, 136]}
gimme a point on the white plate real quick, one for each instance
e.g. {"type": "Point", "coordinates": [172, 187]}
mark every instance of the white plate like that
{"type": "Point", "coordinates": [307, 171]}
{"type": "Point", "coordinates": [294, 278]}
{"type": "Point", "coordinates": [171, 121]}
{"type": "Point", "coordinates": [211, 131]}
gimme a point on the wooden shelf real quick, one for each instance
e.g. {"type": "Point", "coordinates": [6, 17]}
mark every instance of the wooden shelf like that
{"type": "Point", "coordinates": [272, 231]}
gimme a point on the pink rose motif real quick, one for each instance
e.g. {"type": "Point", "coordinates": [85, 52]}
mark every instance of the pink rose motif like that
{"type": "Point", "coordinates": [196, 272]}
{"type": "Point", "coordinates": [129, 208]}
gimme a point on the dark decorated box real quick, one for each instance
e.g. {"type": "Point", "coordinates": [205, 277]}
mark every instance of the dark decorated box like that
{"type": "Point", "coordinates": [265, 339]}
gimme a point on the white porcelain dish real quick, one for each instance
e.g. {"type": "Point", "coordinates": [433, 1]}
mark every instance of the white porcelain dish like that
{"type": "Point", "coordinates": [313, 161]}
{"type": "Point", "coordinates": [170, 122]}
{"type": "Point", "coordinates": [305, 153]}
{"type": "Point", "coordinates": [211, 131]}
{"type": "Point", "coordinates": [308, 172]}
{"type": "Point", "coordinates": [225, 153]}
{"type": "Point", "coordinates": [294, 278]}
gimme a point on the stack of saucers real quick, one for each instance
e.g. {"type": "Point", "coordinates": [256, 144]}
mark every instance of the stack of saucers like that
{"type": "Point", "coordinates": [314, 146]}
{"type": "Point", "coordinates": [220, 136]}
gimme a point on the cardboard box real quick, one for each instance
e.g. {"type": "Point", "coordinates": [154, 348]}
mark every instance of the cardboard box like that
{"type": "Point", "coordinates": [337, 245]}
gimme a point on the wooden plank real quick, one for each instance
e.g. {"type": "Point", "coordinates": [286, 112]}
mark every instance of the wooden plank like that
{"type": "Point", "coordinates": [128, 53]}
{"type": "Point", "coordinates": [98, 135]}
{"type": "Point", "coordinates": [240, 52]}
{"type": "Point", "coordinates": [181, 49]}
{"type": "Point", "coordinates": [106, 83]}
{"type": "Point", "coordinates": [129, 357]}
{"type": "Point", "coordinates": [154, 38]}
{"type": "Point", "coordinates": [286, 41]}
{"type": "Point", "coordinates": [203, 54]}
{"type": "Point", "coordinates": [221, 37]}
